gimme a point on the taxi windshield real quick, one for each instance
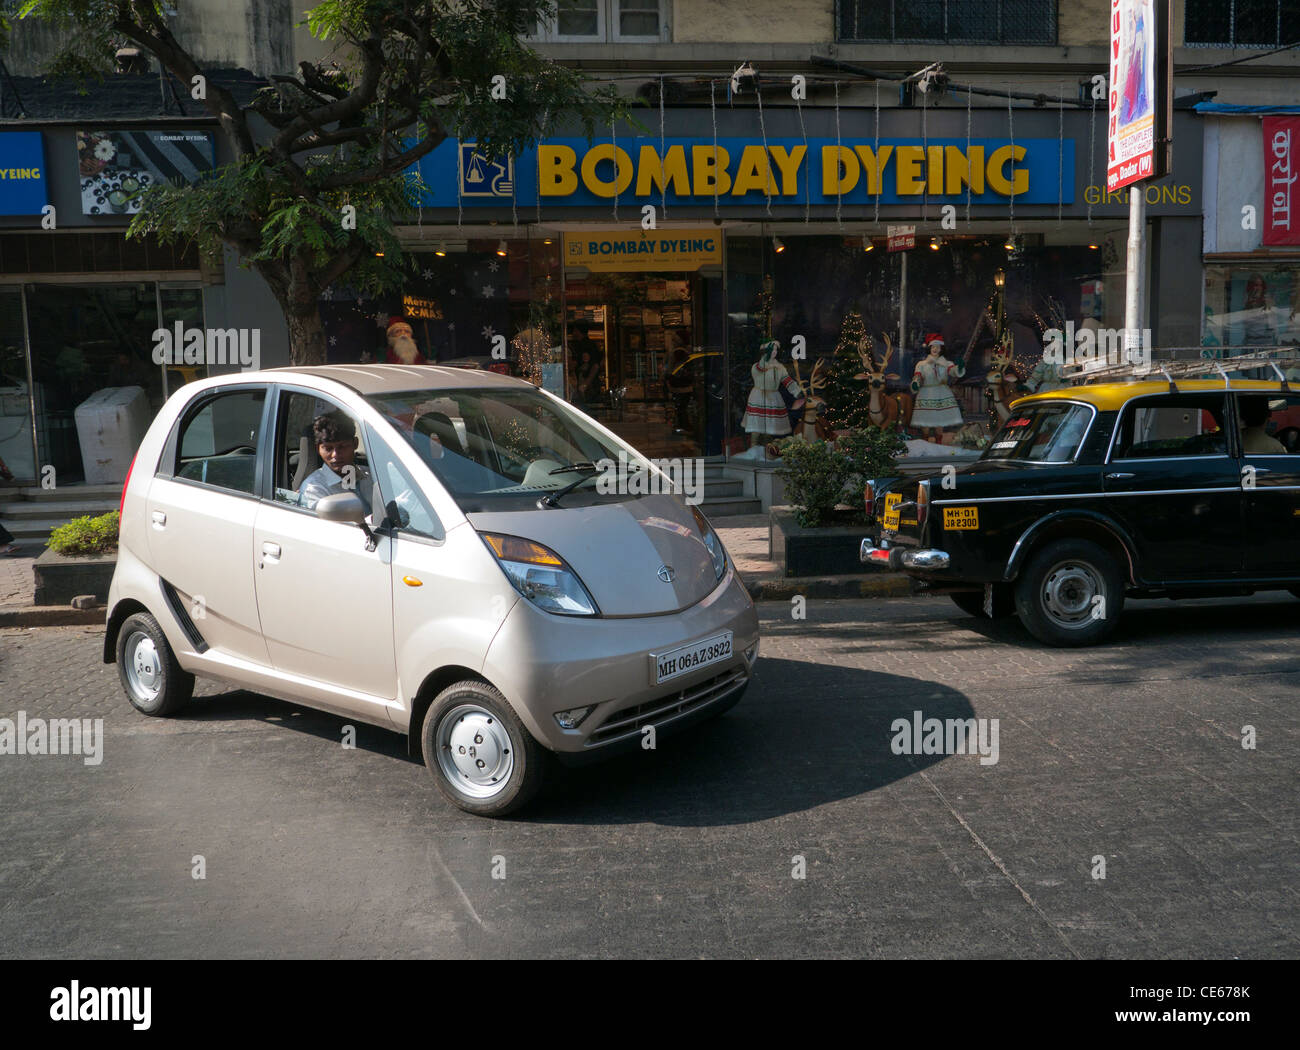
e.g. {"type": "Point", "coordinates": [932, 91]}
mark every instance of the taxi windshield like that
{"type": "Point", "coordinates": [1050, 432]}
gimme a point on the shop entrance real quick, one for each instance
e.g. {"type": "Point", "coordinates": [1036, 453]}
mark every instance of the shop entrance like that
{"type": "Point", "coordinates": [639, 359]}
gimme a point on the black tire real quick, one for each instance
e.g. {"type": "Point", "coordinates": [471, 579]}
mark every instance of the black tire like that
{"type": "Point", "coordinates": [479, 714]}
{"type": "Point", "coordinates": [154, 682]}
{"type": "Point", "coordinates": [1057, 592]}
{"type": "Point", "coordinates": [972, 602]}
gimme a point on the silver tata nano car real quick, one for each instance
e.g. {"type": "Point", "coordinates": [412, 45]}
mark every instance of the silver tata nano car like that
{"type": "Point", "coordinates": [458, 567]}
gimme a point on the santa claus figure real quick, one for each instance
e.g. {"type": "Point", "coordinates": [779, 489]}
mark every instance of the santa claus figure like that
{"type": "Point", "coordinates": [401, 344]}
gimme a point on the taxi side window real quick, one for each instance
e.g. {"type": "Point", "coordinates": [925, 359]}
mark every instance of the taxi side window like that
{"type": "Point", "coordinates": [1270, 424]}
{"type": "Point", "coordinates": [217, 441]}
{"type": "Point", "coordinates": [1173, 426]}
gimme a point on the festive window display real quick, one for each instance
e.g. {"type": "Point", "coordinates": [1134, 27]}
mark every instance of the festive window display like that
{"type": "Point", "coordinates": [773, 396]}
{"type": "Point", "coordinates": [936, 408]}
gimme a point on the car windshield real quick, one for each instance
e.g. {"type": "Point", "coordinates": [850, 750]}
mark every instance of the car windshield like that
{"type": "Point", "coordinates": [500, 449]}
{"type": "Point", "coordinates": [1045, 433]}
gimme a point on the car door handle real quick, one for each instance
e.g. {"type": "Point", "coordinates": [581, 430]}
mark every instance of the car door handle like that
{"type": "Point", "coordinates": [159, 519]}
{"type": "Point", "coordinates": [1119, 476]}
{"type": "Point", "coordinates": [271, 550]}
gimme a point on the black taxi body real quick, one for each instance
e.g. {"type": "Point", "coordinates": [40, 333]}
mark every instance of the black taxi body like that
{"type": "Point", "coordinates": [1091, 493]}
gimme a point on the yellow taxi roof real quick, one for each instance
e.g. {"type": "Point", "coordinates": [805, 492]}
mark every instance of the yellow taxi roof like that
{"type": "Point", "coordinates": [1112, 396]}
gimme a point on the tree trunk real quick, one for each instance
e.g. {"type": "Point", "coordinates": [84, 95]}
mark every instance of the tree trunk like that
{"type": "Point", "coordinates": [306, 338]}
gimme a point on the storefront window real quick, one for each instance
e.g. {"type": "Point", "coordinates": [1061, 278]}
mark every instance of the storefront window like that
{"type": "Point", "coordinates": [15, 405]}
{"type": "Point", "coordinates": [1252, 304]}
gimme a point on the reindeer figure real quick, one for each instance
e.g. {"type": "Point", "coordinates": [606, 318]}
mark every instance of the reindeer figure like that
{"type": "Point", "coordinates": [1002, 381]}
{"type": "Point", "coordinates": [814, 426]}
{"type": "Point", "coordinates": [885, 409]}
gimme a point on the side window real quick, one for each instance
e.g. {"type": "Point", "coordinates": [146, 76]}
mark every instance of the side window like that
{"type": "Point", "coordinates": [309, 431]}
{"type": "Point", "coordinates": [406, 505]}
{"type": "Point", "coordinates": [1270, 424]}
{"type": "Point", "coordinates": [1174, 425]}
{"type": "Point", "coordinates": [217, 441]}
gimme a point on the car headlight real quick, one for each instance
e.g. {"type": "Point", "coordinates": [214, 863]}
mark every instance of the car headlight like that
{"type": "Point", "coordinates": [541, 575]}
{"type": "Point", "coordinates": [716, 551]}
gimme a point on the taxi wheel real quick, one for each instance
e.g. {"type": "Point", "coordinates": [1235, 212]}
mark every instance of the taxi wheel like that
{"type": "Point", "coordinates": [1071, 593]}
{"type": "Point", "coordinates": [481, 756]}
{"type": "Point", "coordinates": [972, 602]}
{"type": "Point", "coordinates": [153, 680]}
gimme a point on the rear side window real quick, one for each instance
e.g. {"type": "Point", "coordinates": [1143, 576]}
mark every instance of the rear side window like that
{"type": "Point", "coordinates": [1047, 432]}
{"type": "Point", "coordinates": [1173, 426]}
{"type": "Point", "coordinates": [1270, 424]}
{"type": "Point", "coordinates": [217, 441]}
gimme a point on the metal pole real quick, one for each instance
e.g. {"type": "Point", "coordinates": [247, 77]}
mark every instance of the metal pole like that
{"type": "Point", "coordinates": [902, 304]}
{"type": "Point", "coordinates": [1133, 290]}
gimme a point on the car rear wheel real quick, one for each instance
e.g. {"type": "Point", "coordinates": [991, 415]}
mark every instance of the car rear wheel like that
{"type": "Point", "coordinates": [480, 754]}
{"type": "Point", "coordinates": [972, 602]}
{"type": "Point", "coordinates": [1071, 593]}
{"type": "Point", "coordinates": [153, 680]}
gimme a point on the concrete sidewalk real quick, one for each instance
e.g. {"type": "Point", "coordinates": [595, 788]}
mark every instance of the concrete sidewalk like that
{"type": "Point", "coordinates": [745, 537]}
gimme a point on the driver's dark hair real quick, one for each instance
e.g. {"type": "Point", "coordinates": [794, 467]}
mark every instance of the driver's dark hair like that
{"type": "Point", "coordinates": [332, 426]}
{"type": "Point", "coordinates": [1254, 411]}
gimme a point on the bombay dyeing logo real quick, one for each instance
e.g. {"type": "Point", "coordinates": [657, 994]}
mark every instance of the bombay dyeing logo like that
{"type": "Point", "coordinates": [58, 736]}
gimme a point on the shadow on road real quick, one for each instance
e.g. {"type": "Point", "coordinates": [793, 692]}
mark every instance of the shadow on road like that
{"type": "Point", "coordinates": [804, 735]}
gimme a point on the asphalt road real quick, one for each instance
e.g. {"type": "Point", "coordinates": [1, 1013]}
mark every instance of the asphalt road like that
{"type": "Point", "coordinates": [1132, 753]}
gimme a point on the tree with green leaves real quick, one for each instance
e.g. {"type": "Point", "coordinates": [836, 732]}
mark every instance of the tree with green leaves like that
{"type": "Point", "coordinates": [321, 155]}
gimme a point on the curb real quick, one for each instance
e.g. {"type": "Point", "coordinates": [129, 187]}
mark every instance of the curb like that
{"type": "Point", "coordinates": [51, 616]}
{"type": "Point", "coordinates": [882, 585]}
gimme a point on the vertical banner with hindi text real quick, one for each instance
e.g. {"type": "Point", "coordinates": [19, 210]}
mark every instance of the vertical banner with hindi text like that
{"type": "Point", "coordinates": [1281, 222]}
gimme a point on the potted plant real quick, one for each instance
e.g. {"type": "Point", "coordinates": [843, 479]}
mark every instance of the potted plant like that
{"type": "Point", "coordinates": [80, 560]}
{"type": "Point", "coordinates": [819, 533]}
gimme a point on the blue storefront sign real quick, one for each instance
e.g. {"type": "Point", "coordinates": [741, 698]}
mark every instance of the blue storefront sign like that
{"type": "Point", "coordinates": [749, 171]}
{"type": "Point", "coordinates": [24, 188]}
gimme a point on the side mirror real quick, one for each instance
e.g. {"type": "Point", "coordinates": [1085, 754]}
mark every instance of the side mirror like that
{"type": "Point", "coordinates": [342, 506]}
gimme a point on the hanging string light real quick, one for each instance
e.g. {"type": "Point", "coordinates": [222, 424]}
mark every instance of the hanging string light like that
{"type": "Point", "coordinates": [839, 197]}
{"type": "Point", "coordinates": [807, 200]}
{"type": "Point", "coordinates": [968, 181]}
{"type": "Point", "coordinates": [1011, 133]}
{"type": "Point", "coordinates": [713, 110]}
{"type": "Point", "coordinates": [1060, 158]}
{"type": "Point", "coordinates": [1092, 158]}
{"type": "Point", "coordinates": [880, 186]}
{"type": "Point", "coordinates": [762, 127]}
{"type": "Point", "coordinates": [663, 153]}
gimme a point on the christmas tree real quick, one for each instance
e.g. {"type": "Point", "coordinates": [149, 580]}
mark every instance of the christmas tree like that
{"type": "Point", "coordinates": [847, 399]}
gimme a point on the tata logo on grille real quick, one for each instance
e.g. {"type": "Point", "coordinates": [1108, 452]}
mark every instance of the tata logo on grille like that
{"type": "Point", "coordinates": [667, 574]}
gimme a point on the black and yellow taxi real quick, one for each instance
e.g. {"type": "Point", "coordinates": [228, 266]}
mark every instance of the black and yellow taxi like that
{"type": "Point", "coordinates": [1093, 493]}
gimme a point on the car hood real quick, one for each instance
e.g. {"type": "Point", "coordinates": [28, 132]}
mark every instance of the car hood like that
{"type": "Point", "coordinates": [617, 550]}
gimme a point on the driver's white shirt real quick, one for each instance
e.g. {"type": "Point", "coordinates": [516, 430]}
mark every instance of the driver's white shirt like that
{"type": "Point", "coordinates": [324, 482]}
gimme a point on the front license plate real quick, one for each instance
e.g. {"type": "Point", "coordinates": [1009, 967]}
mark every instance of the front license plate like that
{"type": "Point", "coordinates": [692, 657]}
{"type": "Point", "coordinates": [892, 502]}
{"type": "Point", "coordinates": [961, 518]}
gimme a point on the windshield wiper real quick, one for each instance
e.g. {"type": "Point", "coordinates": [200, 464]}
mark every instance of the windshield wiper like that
{"type": "Point", "coordinates": [588, 470]}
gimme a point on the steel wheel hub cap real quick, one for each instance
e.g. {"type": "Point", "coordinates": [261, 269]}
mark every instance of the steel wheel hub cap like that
{"type": "Point", "coordinates": [1068, 594]}
{"type": "Point", "coordinates": [144, 667]}
{"type": "Point", "coordinates": [475, 751]}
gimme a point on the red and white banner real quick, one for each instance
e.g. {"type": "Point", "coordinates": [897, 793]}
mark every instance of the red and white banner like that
{"type": "Point", "coordinates": [1281, 163]}
{"type": "Point", "coordinates": [1131, 110]}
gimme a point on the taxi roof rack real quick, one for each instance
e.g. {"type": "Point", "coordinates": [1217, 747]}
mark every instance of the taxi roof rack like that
{"type": "Point", "coordinates": [1192, 362]}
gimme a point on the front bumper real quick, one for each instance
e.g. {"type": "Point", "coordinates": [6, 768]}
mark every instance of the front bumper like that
{"type": "Point", "coordinates": [544, 664]}
{"type": "Point", "coordinates": [897, 558]}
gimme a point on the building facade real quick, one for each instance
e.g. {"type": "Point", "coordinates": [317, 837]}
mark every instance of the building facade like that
{"type": "Point", "coordinates": [776, 145]}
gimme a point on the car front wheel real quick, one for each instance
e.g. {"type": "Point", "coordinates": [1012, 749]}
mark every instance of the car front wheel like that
{"type": "Point", "coordinates": [1070, 594]}
{"type": "Point", "coordinates": [480, 754]}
